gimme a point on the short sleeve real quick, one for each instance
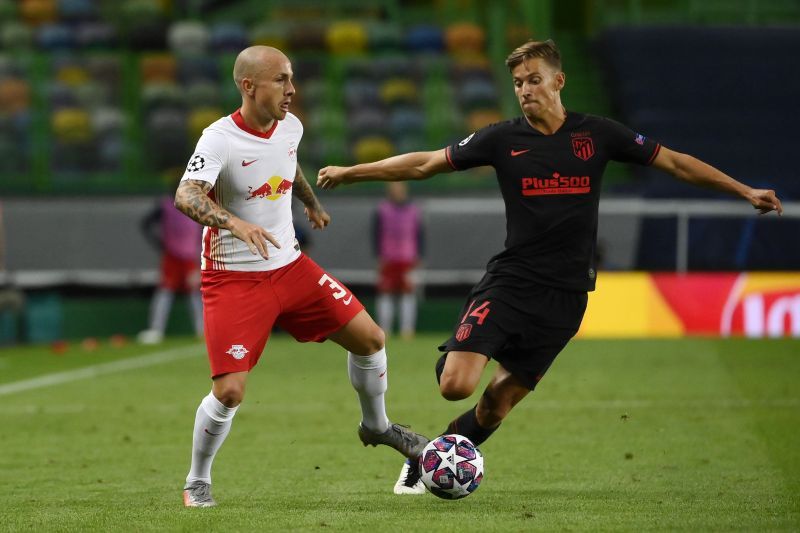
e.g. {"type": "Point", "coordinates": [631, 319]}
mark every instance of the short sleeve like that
{"type": "Point", "coordinates": [627, 146]}
{"type": "Point", "coordinates": [475, 150]}
{"type": "Point", "coordinates": [208, 158]}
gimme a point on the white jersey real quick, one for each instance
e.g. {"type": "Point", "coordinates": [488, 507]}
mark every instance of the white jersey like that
{"type": "Point", "coordinates": [252, 173]}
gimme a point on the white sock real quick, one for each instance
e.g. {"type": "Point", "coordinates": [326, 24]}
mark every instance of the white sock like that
{"type": "Point", "coordinates": [369, 379]}
{"type": "Point", "coordinates": [159, 309]}
{"type": "Point", "coordinates": [211, 425]}
{"type": "Point", "coordinates": [408, 313]}
{"type": "Point", "coordinates": [384, 305]}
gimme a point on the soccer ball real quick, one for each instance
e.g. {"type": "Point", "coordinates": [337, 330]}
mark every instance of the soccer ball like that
{"type": "Point", "coordinates": [451, 467]}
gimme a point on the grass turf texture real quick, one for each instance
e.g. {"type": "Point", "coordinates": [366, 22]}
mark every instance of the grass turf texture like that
{"type": "Point", "coordinates": [694, 435]}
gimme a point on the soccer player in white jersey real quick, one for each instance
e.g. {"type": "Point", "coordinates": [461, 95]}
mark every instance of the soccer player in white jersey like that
{"type": "Point", "coordinates": [239, 184]}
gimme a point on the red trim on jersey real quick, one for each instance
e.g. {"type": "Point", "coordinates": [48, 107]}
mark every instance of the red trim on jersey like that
{"type": "Point", "coordinates": [449, 160]}
{"type": "Point", "coordinates": [211, 241]}
{"type": "Point", "coordinates": [239, 121]}
{"type": "Point", "coordinates": [210, 263]}
{"type": "Point", "coordinates": [655, 153]}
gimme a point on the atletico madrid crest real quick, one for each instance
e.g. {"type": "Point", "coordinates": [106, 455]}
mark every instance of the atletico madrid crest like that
{"type": "Point", "coordinates": [583, 147]}
{"type": "Point", "coordinates": [463, 332]}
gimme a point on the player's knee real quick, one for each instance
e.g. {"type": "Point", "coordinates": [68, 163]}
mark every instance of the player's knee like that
{"type": "Point", "coordinates": [230, 394]}
{"type": "Point", "coordinates": [374, 340]}
{"type": "Point", "coordinates": [453, 389]}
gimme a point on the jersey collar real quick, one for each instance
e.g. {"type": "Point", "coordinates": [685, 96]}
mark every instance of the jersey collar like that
{"type": "Point", "coordinates": [570, 122]}
{"type": "Point", "coordinates": [239, 121]}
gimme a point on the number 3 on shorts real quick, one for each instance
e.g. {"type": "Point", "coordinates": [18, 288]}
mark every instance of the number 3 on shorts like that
{"type": "Point", "coordinates": [334, 285]}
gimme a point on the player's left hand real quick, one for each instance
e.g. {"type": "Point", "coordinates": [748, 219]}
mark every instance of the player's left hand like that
{"type": "Point", "coordinates": [318, 217]}
{"type": "Point", "coordinates": [765, 201]}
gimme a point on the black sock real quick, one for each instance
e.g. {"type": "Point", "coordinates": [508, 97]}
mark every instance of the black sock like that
{"type": "Point", "coordinates": [440, 368]}
{"type": "Point", "coordinates": [467, 425]}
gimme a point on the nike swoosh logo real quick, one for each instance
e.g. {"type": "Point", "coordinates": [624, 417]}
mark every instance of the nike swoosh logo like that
{"type": "Point", "coordinates": [248, 163]}
{"type": "Point", "coordinates": [515, 153]}
{"type": "Point", "coordinates": [347, 302]}
{"type": "Point", "coordinates": [382, 374]}
{"type": "Point", "coordinates": [215, 434]}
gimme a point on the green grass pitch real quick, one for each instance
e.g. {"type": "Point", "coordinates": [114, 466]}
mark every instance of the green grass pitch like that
{"type": "Point", "coordinates": [686, 435]}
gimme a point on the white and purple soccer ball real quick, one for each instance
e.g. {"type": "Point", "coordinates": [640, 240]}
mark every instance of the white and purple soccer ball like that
{"type": "Point", "coordinates": [451, 466]}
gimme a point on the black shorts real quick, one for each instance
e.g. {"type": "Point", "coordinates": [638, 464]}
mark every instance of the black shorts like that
{"type": "Point", "coordinates": [523, 328]}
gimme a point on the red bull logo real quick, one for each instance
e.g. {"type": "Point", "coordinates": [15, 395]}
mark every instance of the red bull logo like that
{"type": "Point", "coordinates": [274, 188]}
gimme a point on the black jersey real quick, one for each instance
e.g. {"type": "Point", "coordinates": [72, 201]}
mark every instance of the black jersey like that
{"type": "Point", "coordinates": [551, 189]}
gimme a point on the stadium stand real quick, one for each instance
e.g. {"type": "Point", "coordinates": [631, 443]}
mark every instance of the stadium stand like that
{"type": "Point", "coordinates": [136, 81]}
{"type": "Point", "coordinates": [734, 118]}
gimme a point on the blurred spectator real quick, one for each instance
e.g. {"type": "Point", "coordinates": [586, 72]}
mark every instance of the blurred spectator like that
{"type": "Point", "coordinates": [11, 299]}
{"type": "Point", "coordinates": [178, 238]}
{"type": "Point", "coordinates": [398, 243]}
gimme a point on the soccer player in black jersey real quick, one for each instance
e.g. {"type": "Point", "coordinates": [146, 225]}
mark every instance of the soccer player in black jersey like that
{"type": "Point", "coordinates": [530, 302]}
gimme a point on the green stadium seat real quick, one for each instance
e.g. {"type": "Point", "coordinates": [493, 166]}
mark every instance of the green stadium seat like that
{"type": "Point", "coordinates": [203, 93]}
{"type": "Point", "coordinates": [15, 36]}
{"type": "Point", "coordinates": [382, 37]}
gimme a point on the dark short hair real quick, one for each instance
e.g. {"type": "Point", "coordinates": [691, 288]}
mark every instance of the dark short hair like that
{"type": "Point", "coordinates": [547, 50]}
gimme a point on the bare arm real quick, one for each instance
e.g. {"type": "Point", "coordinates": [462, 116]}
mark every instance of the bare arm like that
{"type": "Point", "coordinates": [411, 166]}
{"type": "Point", "coordinates": [696, 172]}
{"type": "Point", "coordinates": [192, 199]}
{"type": "Point", "coordinates": [313, 209]}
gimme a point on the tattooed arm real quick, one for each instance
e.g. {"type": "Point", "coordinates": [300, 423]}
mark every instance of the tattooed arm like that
{"type": "Point", "coordinates": [192, 199]}
{"type": "Point", "coordinates": [314, 211]}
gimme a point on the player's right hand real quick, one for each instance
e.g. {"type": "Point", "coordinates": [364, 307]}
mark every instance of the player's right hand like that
{"type": "Point", "coordinates": [765, 201]}
{"type": "Point", "coordinates": [254, 236]}
{"type": "Point", "coordinates": [330, 177]}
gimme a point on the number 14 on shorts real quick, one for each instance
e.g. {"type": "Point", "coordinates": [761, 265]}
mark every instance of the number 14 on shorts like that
{"type": "Point", "coordinates": [480, 312]}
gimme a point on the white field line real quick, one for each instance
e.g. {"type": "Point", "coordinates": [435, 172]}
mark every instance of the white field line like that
{"type": "Point", "coordinates": [134, 363]}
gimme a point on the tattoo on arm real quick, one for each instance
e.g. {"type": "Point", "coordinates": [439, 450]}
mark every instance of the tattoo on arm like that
{"type": "Point", "coordinates": [303, 191]}
{"type": "Point", "coordinates": [192, 199]}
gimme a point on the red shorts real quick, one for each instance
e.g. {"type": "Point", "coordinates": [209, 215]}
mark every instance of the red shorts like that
{"type": "Point", "coordinates": [179, 274]}
{"type": "Point", "coordinates": [241, 308]}
{"type": "Point", "coordinates": [395, 276]}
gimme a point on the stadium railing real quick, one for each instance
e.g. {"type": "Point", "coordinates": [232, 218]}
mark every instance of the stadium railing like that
{"type": "Point", "coordinates": [456, 250]}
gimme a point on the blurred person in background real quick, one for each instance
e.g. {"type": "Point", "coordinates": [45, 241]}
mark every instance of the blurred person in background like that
{"type": "Point", "coordinates": [239, 183]}
{"type": "Point", "coordinates": [11, 299]}
{"type": "Point", "coordinates": [178, 240]}
{"type": "Point", "coordinates": [549, 164]}
{"type": "Point", "coordinates": [397, 229]}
